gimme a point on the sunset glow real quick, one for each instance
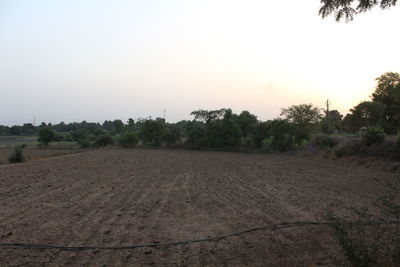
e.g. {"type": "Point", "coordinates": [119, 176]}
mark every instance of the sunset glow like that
{"type": "Point", "coordinates": [96, 60]}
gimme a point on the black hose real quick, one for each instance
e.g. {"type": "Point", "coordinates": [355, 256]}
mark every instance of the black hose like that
{"type": "Point", "coordinates": [210, 239]}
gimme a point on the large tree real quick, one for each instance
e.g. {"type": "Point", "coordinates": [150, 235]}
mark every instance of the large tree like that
{"type": "Point", "coordinates": [304, 119]}
{"type": "Point", "coordinates": [387, 92]}
{"type": "Point", "coordinates": [304, 114]}
{"type": "Point", "coordinates": [332, 122]}
{"type": "Point", "coordinates": [246, 122]}
{"type": "Point", "coordinates": [346, 9]}
{"type": "Point", "coordinates": [208, 116]}
{"type": "Point", "coordinates": [367, 113]}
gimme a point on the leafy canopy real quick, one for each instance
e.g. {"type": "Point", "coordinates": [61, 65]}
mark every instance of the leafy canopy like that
{"type": "Point", "coordinates": [302, 114]}
{"type": "Point", "coordinates": [346, 9]}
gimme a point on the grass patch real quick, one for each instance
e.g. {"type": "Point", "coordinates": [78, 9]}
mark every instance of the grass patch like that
{"type": "Point", "coordinates": [15, 140]}
{"type": "Point", "coordinates": [63, 145]}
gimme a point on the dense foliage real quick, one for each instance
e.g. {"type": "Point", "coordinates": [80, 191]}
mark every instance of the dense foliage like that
{"type": "Point", "coordinates": [222, 128]}
{"type": "Point", "coordinates": [128, 139]}
{"type": "Point", "coordinates": [104, 140]}
{"type": "Point", "coordinates": [383, 110]}
{"type": "Point", "coordinates": [373, 135]}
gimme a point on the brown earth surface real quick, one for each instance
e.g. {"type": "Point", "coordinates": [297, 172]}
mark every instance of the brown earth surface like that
{"type": "Point", "coordinates": [125, 197]}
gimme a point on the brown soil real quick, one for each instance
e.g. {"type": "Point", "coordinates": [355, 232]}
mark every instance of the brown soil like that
{"type": "Point", "coordinates": [124, 197]}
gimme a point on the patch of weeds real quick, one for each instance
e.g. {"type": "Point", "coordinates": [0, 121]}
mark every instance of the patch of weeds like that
{"type": "Point", "coordinates": [323, 140]}
{"type": "Point", "coordinates": [373, 135]}
{"type": "Point", "coordinates": [17, 155]}
{"type": "Point", "coordinates": [339, 151]}
{"type": "Point", "coordinates": [371, 240]}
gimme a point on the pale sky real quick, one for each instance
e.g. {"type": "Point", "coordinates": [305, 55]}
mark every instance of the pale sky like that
{"type": "Point", "coordinates": [74, 60]}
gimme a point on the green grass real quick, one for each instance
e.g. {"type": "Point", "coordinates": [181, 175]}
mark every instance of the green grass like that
{"type": "Point", "coordinates": [31, 142]}
{"type": "Point", "coordinates": [11, 141]}
{"type": "Point", "coordinates": [63, 145]}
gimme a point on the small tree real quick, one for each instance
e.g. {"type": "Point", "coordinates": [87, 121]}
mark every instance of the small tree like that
{"type": "Point", "coordinates": [46, 135]}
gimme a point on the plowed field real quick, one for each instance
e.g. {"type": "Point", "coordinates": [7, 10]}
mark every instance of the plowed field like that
{"type": "Point", "coordinates": [125, 197]}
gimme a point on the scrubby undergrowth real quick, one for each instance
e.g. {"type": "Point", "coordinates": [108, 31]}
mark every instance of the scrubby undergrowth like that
{"type": "Point", "coordinates": [380, 155]}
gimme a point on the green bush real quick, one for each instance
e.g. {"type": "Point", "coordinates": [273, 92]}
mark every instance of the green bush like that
{"type": "Point", "coordinates": [85, 143]}
{"type": "Point", "coordinates": [128, 140]}
{"type": "Point", "coordinates": [104, 140]}
{"type": "Point", "coordinates": [267, 142]}
{"type": "Point", "coordinates": [373, 135]}
{"type": "Point", "coordinates": [282, 143]}
{"type": "Point", "coordinates": [323, 140]}
{"type": "Point", "coordinates": [247, 142]}
{"type": "Point", "coordinates": [16, 156]}
{"type": "Point", "coordinates": [46, 135]}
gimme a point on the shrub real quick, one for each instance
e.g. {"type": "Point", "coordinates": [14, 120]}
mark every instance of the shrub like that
{"type": "Point", "coordinates": [339, 151]}
{"type": "Point", "coordinates": [371, 239]}
{"type": "Point", "coordinates": [323, 140]}
{"type": "Point", "coordinates": [282, 143]}
{"type": "Point", "coordinates": [357, 250]}
{"type": "Point", "coordinates": [104, 140]}
{"type": "Point", "coordinates": [77, 135]}
{"type": "Point", "coordinates": [373, 135]}
{"type": "Point", "coordinates": [85, 143]}
{"type": "Point", "coordinates": [99, 132]}
{"type": "Point", "coordinates": [128, 140]}
{"type": "Point", "coordinates": [46, 135]}
{"type": "Point", "coordinates": [248, 142]}
{"type": "Point", "coordinates": [16, 156]}
{"type": "Point", "coordinates": [267, 142]}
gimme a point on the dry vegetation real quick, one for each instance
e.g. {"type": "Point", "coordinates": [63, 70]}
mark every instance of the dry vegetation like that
{"type": "Point", "coordinates": [31, 154]}
{"type": "Point", "coordinates": [123, 197]}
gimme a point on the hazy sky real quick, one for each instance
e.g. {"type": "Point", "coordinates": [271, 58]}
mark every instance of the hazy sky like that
{"type": "Point", "coordinates": [93, 60]}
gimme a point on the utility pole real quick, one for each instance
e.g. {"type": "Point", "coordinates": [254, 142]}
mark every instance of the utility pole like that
{"type": "Point", "coordinates": [34, 121]}
{"type": "Point", "coordinates": [327, 104]}
{"type": "Point", "coordinates": [165, 111]}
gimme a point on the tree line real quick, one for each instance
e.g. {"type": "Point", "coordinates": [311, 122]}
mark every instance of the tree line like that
{"type": "Point", "coordinates": [222, 128]}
